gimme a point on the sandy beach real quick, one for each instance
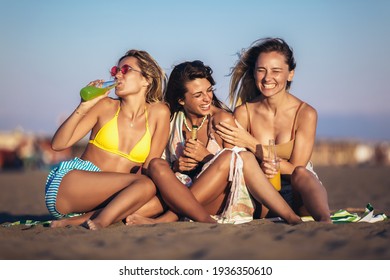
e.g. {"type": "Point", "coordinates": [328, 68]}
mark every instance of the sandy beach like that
{"type": "Point", "coordinates": [22, 197]}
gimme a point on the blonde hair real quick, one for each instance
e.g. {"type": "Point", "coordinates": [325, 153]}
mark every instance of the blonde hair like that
{"type": "Point", "coordinates": [151, 71]}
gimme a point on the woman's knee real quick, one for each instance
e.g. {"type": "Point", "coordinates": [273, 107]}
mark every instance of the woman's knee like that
{"type": "Point", "coordinates": [158, 166]}
{"type": "Point", "coordinates": [146, 184]}
{"type": "Point", "coordinates": [299, 174]}
{"type": "Point", "coordinates": [303, 178]}
{"type": "Point", "coordinates": [247, 156]}
{"type": "Point", "coordinates": [223, 160]}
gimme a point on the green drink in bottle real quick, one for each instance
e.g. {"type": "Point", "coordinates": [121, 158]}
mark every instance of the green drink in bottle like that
{"type": "Point", "coordinates": [90, 92]}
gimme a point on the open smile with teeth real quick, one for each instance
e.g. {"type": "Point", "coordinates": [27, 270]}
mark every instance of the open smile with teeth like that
{"type": "Point", "coordinates": [269, 86]}
{"type": "Point", "coordinates": [205, 107]}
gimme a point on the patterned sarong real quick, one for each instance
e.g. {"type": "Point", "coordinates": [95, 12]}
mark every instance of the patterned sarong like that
{"type": "Point", "coordinates": [239, 207]}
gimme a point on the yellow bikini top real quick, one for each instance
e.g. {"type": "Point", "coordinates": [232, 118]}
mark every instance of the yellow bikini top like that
{"type": "Point", "coordinates": [107, 139]}
{"type": "Point", "coordinates": [283, 150]}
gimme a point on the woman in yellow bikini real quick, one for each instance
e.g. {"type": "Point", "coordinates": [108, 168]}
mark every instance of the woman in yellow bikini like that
{"type": "Point", "coordinates": [260, 84]}
{"type": "Point", "coordinates": [106, 183]}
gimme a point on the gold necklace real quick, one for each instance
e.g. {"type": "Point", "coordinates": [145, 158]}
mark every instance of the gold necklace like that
{"type": "Point", "coordinates": [189, 129]}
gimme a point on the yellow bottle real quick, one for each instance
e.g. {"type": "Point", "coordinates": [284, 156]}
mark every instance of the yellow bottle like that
{"type": "Point", "coordinates": [194, 132]}
{"type": "Point", "coordinates": [275, 181]}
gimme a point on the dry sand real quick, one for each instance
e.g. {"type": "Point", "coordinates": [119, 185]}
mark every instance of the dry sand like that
{"type": "Point", "coordinates": [22, 197]}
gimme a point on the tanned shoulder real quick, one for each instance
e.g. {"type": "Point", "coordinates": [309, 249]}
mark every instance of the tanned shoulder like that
{"type": "Point", "coordinates": [308, 112]}
{"type": "Point", "coordinates": [241, 115]}
{"type": "Point", "coordinates": [223, 116]}
{"type": "Point", "coordinates": [160, 108]}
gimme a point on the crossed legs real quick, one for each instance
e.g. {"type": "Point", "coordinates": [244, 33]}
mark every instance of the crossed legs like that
{"type": "Point", "coordinates": [206, 196]}
{"type": "Point", "coordinates": [105, 197]}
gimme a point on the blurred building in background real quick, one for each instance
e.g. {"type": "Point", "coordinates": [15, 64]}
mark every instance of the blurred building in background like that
{"type": "Point", "coordinates": [20, 150]}
{"type": "Point", "coordinates": [350, 152]}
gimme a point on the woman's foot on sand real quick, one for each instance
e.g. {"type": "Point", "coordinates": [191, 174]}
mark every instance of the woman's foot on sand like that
{"type": "Point", "coordinates": [61, 223]}
{"type": "Point", "coordinates": [294, 220]}
{"type": "Point", "coordinates": [73, 221]}
{"type": "Point", "coordinates": [135, 219]}
{"type": "Point", "coordinates": [91, 225]}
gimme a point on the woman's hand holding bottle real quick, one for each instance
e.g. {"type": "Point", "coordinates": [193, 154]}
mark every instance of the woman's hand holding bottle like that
{"type": "Point", "coordinates": [96, 88]}
{"type": "Point", "coordinates": [87, 102]}
{"type": "Point", "coordinates": [196, 150]}
{"type": "Point", "coordinates": [273, 163]}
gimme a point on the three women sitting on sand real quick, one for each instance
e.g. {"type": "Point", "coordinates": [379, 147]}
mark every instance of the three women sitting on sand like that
{"type": "Point", "coordinates": [225, 183]}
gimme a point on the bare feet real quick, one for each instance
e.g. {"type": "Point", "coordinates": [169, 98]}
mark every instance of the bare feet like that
{"type": "Point", "coordinates": [73, 221]}
{"type": "Point", "coordinates": [64, 223]}
{"type": "Point", "coordinates": [136, 219]}
{"type": "Point", "coordinates": [91, 225]}
{"type": "Point", "coordinates": [58, 223]}
{"type": "Point", "coordinates": [294, 220]}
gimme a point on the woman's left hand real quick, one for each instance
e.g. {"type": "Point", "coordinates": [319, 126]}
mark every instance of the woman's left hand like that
{"type": "Point", "coordinates": [196, 150]}
{"type": "Point", "coordinates": [269, 167]}
{"type": "Point", "coordinates": [236, 136]}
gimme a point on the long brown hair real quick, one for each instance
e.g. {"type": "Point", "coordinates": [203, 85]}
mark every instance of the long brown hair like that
{"type": "Point", "coordinates": [242, 83]}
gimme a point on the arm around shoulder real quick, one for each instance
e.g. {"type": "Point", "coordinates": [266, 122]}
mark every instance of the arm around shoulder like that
{"type": "Point", "coordinates": [241, 115]}
{"type": "Point", "coordinates": [223, 116]}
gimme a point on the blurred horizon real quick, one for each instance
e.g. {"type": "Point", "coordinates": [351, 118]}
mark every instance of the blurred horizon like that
{"type": "Point", "coordinates": [52, 49]}
{"type": "Point", "coordinates": [330, 128]}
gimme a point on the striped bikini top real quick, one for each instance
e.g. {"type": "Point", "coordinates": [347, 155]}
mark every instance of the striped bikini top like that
{"type": "Point", "coordinates": [283, 150]}
{"type": "Point", "coordinates": [107, 139]}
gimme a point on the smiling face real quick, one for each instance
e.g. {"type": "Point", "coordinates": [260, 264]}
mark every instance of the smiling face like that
{"type": "Point", "coordinates": [272, 73]}
{"type": "Point", "coordinates": [197, 100]}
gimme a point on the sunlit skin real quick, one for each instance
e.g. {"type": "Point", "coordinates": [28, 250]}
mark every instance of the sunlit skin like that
{"type": "Point", "coordinates": [271, 74]}
{"type": "Point", "coordinates": [272, 117]}
{"type": "Point", "coordinates": [208, 192]}
{"type": "Point", "coordinates": [274, 112]}
{"type": "Point", "coordinates": [117, 188]}
{"type": "Point", "coordinates": [196, 105]}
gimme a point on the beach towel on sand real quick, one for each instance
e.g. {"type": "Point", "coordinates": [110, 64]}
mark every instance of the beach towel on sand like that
{"type": "Point", "coordinates": [343, 216]}
{"type": "Point", "coordinates": [239, 207]}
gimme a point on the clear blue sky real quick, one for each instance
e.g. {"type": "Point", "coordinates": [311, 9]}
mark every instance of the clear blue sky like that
{"type": "Point", "coordinates": [50, 49]}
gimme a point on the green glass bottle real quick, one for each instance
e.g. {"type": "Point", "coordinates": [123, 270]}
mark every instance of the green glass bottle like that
{"type": "Point", "coordinates": [91, 92]}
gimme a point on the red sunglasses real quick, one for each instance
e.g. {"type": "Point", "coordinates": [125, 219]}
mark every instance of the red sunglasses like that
{"type": "Point", "coordinates": [124, 69]}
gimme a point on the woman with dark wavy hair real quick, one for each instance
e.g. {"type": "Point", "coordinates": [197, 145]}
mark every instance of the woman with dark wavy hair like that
{"type": "Point", "coordinates": [221, 179]}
